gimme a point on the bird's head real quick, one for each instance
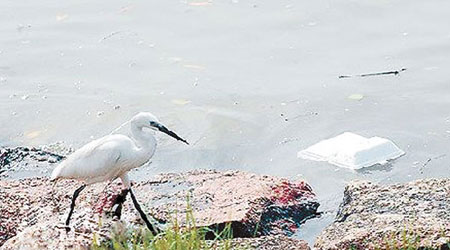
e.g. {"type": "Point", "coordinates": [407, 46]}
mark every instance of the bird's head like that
{"type": "Point", "coordinates": [148, 120]}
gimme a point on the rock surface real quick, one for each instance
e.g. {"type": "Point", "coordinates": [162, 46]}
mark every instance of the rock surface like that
{"type": "Point", "coordinates": [37, 237]}
{"type": "Point", "coordinates": [375, 217]}
{"type": "Point", "coordinates": [271, 242]}
{"type": "Point", "coordinates": [255, 205]}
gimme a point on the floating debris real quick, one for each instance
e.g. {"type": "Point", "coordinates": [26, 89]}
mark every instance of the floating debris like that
{"type": "Point", "coordinates": [126, 8]}
{"type": "Point", "coordinates": [288, 140]}
{"type": "Point", "coordinates": [61, 17]}
{"type": "Point", "coordinates": [22, 27]}
{"type": "Point", "coordinates": [180, 101]}
{"type": "Point", "coordinates": [309, 113]}
{"type": "Point", "coordinates": [110, 35]}
{"type": "Point", "coordinates": [349, 150]}
{"type": "Point", "coordinates": [357, 97]}
{"type": "Point", "coordinates": [194, 66]}
{"type": "Point", "coordinates": [200, 3]}
{"type": "Point", "coordinates": [422, 168]}
{"type": "Point", "coordinates": [32, 134]}
{"type": "Point", "coordinates": [396, 72]}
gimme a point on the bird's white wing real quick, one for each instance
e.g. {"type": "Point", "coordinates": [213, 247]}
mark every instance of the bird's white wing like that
{"type": "Point", "coordinates": [97, 160]}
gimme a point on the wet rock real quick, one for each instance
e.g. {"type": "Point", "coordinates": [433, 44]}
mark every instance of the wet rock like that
{"type": "Point", "coordinates": [378, 217]}
{"type": "Point", "coordinates": [255, 205]}
{"type": "Point", "coordinates": [25, 158]}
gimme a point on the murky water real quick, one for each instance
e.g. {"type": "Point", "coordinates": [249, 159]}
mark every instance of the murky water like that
{"type": "Point", "coordinates": [227, 74]}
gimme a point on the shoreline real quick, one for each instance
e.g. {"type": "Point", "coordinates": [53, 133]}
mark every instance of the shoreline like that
{"type": "Point", "coordinates": [363, 203]}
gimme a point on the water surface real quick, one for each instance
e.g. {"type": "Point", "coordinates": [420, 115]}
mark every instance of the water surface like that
{"type": "Point", "coordinates": [248, 83]}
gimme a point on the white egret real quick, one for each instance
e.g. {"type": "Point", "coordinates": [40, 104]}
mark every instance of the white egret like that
{"type": "Point", "coordinates": [111, 157]}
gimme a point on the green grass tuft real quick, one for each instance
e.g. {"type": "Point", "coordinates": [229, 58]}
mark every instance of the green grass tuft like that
{"type": "Point", "coordinates": [174, 237]}
{"type": "Point", "coordinates": [406, 240]}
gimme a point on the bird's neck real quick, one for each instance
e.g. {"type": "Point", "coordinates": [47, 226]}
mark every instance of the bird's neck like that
{"type": "Point", "coordinates": [145, 141]}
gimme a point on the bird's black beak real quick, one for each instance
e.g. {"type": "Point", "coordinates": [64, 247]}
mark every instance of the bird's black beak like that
{"type": "Point", "coordinates": [165, 130]}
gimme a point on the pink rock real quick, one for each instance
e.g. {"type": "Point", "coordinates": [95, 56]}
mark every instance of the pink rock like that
{"type": "Point", "coordinates": [254, 205]}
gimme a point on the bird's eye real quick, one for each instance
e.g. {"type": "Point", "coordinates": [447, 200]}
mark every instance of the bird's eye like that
{"type": "Point", "coordinates": [152, 123]}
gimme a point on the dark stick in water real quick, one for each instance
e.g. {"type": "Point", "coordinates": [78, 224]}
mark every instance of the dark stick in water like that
{"type": "Point", "coordinates": [396, 72]}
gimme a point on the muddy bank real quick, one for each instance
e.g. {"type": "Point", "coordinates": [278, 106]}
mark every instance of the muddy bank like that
{"type": "Point", "coordinates": [377, 217]}
{"type": "Point", "coordinates": [34, 211]}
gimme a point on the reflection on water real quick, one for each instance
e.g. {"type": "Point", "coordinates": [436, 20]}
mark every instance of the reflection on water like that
{"type": "Point", "coordinates": [250, 83]}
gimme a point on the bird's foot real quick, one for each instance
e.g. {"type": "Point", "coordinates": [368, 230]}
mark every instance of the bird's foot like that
{"type": "Point", "coordinates": [118, 204]}
{"type": "Point", "coordinates": [120, 198]}
{"type": "Point", "coordinates": [117, 211]}
{"type": "Point", "coordinates": [65, 227]}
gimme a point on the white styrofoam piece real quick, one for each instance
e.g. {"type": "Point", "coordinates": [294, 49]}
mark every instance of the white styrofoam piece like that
{"type": "Point", "coordinates": [352, 151]}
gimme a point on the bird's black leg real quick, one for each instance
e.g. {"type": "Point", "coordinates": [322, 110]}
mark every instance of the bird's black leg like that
{"type": "Point", "coordinates": [143, 216]}
{"type": "Point", "coordinates": [72, 206]}
{"type": "Point", "coordinates": [120, 199]}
